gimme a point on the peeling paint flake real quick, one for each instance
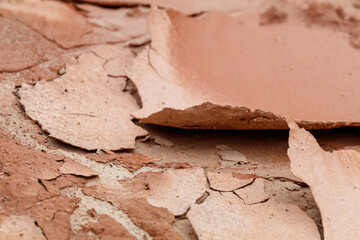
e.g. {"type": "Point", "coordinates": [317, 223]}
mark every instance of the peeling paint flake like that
{"type": "Point", "coordinates": [334, 179]}
{"type": "Point", "coordinates": [83, 108]}
{"type": "Point", "coordinates": [186, 82]}
{"type": "Point", "coordinates": [72, 167]}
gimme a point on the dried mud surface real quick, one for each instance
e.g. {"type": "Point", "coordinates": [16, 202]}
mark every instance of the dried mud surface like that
{"type": "Point", "coordinates": [88, 90]}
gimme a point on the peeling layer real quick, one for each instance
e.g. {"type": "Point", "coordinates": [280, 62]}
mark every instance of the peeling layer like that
{"type": "Point", "coordinates": [255, 75]}
{"type": "Point", "coordinates": [334, 179]}
{"type": "Point", "coordinates": [174, 190]}
{"type": "Point", "coordinates": [84, 107]}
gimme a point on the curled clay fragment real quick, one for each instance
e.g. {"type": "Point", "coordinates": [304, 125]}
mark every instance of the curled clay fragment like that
{"type": "Point", "coordinates": [228, 181]}
{"type": "Point", "coordinates": [334, 179]}
{"type": "Point", "coordinates": [84, 107]}
{"type": "Point", "coordinates": [72, 167]}
{"type": "Point", "coordinates": [19, 227]}
{"type": "Point", "coordinates": [253, 193]}
{"type": "Point", "coordinates": [227, 217]}
{"type": "Point", "coordinates": [174, 190]}
{"type": "Point", "coordinates": [186, 82]}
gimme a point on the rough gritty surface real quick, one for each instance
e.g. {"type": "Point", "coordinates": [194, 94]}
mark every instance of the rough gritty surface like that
{"type": "Point", "coordinates": [53, 39]}
{"type": "Point", "coordinates": [107, 228]}
{"type": "Point", "coordinates": [226, 217]}
{"type": "Point", "coordinates": [174, 183]}
{"type": "Point", "coordinates": [22, 172]}
{"type": "Point", "coordinates": [82, 106]}
{"type": "Point", "coordinates": [174, 190]}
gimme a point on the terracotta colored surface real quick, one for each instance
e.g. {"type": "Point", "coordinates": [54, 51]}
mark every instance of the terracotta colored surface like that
{"type": "Point", "coordinates": [254, 66]}
{"type": "Point", "coordinates": [228, 181]}
{"type": "Point", "coordinates": [78, 103]}
{"type": "Point", "coordinates": [208, 70]}
{"type": "Point", "coordinates": [24, 46]}
{"type": "Point", "coordinates": [226, 217]}
{"type": "Point", "coordinates": [108, 228]}
{"type": "Point", "coordinates": [174, 190]}
{"type": "Point", "coordinates": [72, 167]}
{"type": "Point", "coordinates": [130, 23]}
{"type": "Point", "coordinates": [187, 6]}
{"type": "Point", "coordinates": [19, 227]}
{"type": "Point", "coordinates": [131, 161]}
{"type": "Point", "coordinates": [21, 189]}
{"type": "Point", "coordinates": [154, 220]}
{"type": "Point", "coordinates": [254, 193]}
{"type": "Point", "coordinates": [34, 34]}
{"type": "Point", "coordinates": [333, 179]}
{"type": "Point", "coordinates": [75, 29]}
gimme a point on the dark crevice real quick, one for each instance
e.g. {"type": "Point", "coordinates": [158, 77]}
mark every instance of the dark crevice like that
{"type": "Point", "coordinates": [42, 230]}
{"type": "Point", "coordinates": [104, 5]}
{"type": "Point", "coordinates": [42, 184]}
{"type": "Point", "coordinates": [131, 88]}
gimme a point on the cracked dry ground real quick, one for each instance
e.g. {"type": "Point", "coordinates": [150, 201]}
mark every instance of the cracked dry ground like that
{"type": "Point", "coordinates": [154, 119]}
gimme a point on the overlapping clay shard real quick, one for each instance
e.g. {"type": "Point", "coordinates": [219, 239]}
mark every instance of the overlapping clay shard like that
{"type": "Point", "coordinates": [84, 107]}
{"type": "Point", "coordinates": [254, 193]}
{"type": "Point", "coordinates": [33, 34]}
{"type": "Point", "coordinates": [108, 228]}
{"type": "Point", "coordinates": [154, 220]}
{"type": "Point", "coordinates": [19, 227]}
{"type": "Point", "coordinates": [23, 171]}
{"type": "Point", "coordinates": [228, 181]}
{"type": "Point", "coordinates": [63, 24]}
{"type": "Point", "coordinates": [258, 61]}
{"type": "Point", "coordinates": [131, 161]}
{"type": "Point", "coordinates": [174, 190]}
{"type": "Point", "coordinates": [188, 6]}
{"type": "Point", "coordinates": [227, 217]}
{"type": "Point", "coordinates": [334, 179]}
{"type": "Point", "coordinates": [72, 167]}
{"type": "Point", "coordinates": [21, 47]}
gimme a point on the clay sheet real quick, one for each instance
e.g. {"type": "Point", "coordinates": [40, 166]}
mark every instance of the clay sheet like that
{"type": "Point", "coordinates": [248, 72]}
{"type": "Point", "coordinates": [174, 190]}
{"type": "Point", "coordinates": [227, 217]}
{"type": "Point", "coordinates": [334, 179]}
{"type": "Point", "coordinates": [84, 107]}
